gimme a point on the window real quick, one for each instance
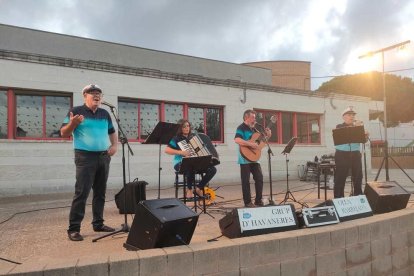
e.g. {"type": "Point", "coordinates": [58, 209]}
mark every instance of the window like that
{"type": "Point", "coordinates": [3, 114]}
{"type": "Point", "coordinates": [290, 124]}
{"type": "Point", "coordinates": [308, 128]}
{"type": "Point", "coordinates": [173, 112]}
{"type": "Point", "coordinates": [287, 127]}
{"type": "Point", "coordinates": [130, 113]}
{"type": "Point", "coordinates": [268, 119]}
{"type": "Point", "coordinates": [149, 116]}
{"type": "Point", "coordinates": [206, 120]}
{"type": "Point", "coordinates": [128, 119]}
{"type": "Point", "coordinates": [40, 116]}
{"type": "Point", "coordinates": [138, 119]}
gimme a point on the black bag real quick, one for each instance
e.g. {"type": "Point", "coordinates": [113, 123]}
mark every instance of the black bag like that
{"type": "Point", "coordinates": [135, 192]}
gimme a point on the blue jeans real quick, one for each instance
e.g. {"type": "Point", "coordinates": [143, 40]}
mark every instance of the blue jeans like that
{"type": "Point", "coordinates": [207, 176]}
{"type": "Point", "coordinates": [92, 169]}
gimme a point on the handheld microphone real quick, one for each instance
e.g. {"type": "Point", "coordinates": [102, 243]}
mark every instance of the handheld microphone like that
{"type": "Point", "coordinates": [358, 123]}
{"type": "Point", "coordinates": [108, 104]}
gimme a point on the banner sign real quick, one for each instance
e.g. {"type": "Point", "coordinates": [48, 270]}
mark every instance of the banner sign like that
{"type": "Point", "coordinates": [352, 207]}
{"type": "Point", "coordinates": [266, 217]}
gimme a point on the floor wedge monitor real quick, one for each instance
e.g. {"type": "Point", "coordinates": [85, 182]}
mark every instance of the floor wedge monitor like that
{"type": "Point", "coordinates": [386, 196]}
{"type": "Point", "coordinates": [161, 223]}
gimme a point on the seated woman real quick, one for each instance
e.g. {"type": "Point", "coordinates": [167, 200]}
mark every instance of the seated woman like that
{"type": "Point", "coordinates": [184, 133]}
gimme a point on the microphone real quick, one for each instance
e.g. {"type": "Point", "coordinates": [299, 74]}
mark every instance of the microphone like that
{"type": "Point", "coordinates": [358, 123]}
{"type": "Point", "coordinates": [108, 104]}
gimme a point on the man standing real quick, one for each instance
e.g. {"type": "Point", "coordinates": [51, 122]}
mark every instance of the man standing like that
{"type": "Point", "coordinates": [243, 134]}
{"type": "Point", "coordinates": [348, 157]}
{"type": "Point", "coordinates": [94, 141]}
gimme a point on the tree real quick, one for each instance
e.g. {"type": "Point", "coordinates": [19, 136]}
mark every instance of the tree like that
{"type": "Point", "coordinates": [399, 91]}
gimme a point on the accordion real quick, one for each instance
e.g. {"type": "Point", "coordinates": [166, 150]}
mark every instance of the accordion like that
{"type": "Point", "coordinates": [200, 145]}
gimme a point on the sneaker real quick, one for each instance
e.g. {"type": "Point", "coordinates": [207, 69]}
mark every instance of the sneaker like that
{"type": "Point", "coordinates": [249, 205]}
{"type": "Point", "coordinates": [75, 236]}
{"type": "Point", "coordinates": [103, 228]}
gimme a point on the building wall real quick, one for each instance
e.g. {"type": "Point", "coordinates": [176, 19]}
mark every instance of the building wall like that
{"type": "Point", "coordinates": [31, 167]}
{"type": "Point", "coordinates": [285, 73]}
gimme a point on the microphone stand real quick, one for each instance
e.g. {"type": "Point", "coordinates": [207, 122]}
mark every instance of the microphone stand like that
{"type": "Point", "coordinates": [269, 160]}
{"type": "Point", "coordinates": [123, 139]}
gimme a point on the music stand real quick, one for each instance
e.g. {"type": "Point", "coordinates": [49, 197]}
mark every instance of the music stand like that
{"type": "Point", "coordinates": [193, 164]}
{"type": "Point", "coordinates": [286, 151]}
{"type": "Point", "coordinates": [348, 135]}
{"type": "Point", "coordinates": [161, 135]}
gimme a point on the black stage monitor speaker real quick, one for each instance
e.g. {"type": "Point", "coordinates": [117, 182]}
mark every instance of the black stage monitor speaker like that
{"type": "Point", "coordinates": [257, 221]}
{"type": "Point", "coordinates": [386, 196]}
{"type": "Point", "coordinates": [135, 193]}
{"type": "Point", "coordinates": [161, 223]}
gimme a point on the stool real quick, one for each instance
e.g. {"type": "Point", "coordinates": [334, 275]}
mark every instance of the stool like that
{"type": "Point", "coordinates": [182, 183]}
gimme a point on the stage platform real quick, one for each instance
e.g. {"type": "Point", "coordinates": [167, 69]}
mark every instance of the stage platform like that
{"type": "Point", "coordinates": [33, 228]}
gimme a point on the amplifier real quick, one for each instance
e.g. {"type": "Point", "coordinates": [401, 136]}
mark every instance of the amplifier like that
{"type": "Point", "coordinates": [317, 216]}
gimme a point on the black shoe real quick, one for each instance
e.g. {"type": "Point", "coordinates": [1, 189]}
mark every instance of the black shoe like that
{"type": "Point", "coordinates": [103, 228]}
{"type": "Point", "coordinates": [75, 236]}
{"type": "Point", "coordinates": [249, 205]}
{"type": "Point", "coordinates": [259, 203]}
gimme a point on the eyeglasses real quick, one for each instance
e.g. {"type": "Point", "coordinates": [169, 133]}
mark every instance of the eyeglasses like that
{"type": "Point", "coordinates": [184, 126]}
{"type": "Point", "coordinates": [95, 93]}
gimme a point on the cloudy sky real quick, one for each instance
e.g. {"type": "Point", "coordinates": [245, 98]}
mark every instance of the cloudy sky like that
{"type": "Point", "coordinates": [331, 34]}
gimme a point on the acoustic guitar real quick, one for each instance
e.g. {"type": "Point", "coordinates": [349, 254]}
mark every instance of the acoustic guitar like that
{"type": "Point", "coordinates": [250, 154]}
{"type": "Point", "coordinates": [253, 155]}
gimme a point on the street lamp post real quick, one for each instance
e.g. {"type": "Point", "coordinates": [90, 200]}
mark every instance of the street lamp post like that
{"type": "Point", "coordinates": [382, 51]}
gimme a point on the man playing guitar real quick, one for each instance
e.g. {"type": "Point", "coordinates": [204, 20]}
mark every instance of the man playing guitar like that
{"type": "Point", "coordinates": [243, 135]}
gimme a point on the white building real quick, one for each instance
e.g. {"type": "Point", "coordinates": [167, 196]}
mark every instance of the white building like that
{"type": "Point", "coordinates": [42, 74]}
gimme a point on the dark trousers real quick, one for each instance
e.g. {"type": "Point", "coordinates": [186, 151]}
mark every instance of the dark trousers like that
{"type": "Point", "coordinates": [256, 170]}
{"type": "Point", "coordinates": [346, 160]}
{"type": "Point", "coordinates": [92, 170]}
{"type": "Point", "coordinates": [207, 176]}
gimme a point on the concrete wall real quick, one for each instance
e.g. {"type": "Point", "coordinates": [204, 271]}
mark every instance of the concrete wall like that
{"type": "Point", "coordinates": [378, 245]}
{"type": "Point", "coordinates": [285, 73]}
{"type": "Point", "coordinates": [31, 167]}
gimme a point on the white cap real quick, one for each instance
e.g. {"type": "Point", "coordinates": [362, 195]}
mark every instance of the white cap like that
{"type": "Point", "coordinates": [349, 109]}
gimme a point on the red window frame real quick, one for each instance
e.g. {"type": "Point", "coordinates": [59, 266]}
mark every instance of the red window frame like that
{"type": "Point", "coordinates": [278, 114]}
{"type": "Point", "coordinates": [12, 112]}
{"type": "Point", "coordinates": [185, 106]}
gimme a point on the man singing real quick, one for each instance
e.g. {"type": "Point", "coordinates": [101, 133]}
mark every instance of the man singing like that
{"type": "Point", "coordinates": [94, 141]}
{"type": "Point", "coordinates": [348, 156]}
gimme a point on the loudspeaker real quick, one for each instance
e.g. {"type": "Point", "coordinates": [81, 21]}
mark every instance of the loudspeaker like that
{"type": "Point", "coordinates": [386, 196]}
{"type": "Point", "coordinates": [135, 193]}
{"type": "Point", "coordinates": [257, 221]}
{"type": "Point", "coordinates": [161, 223]}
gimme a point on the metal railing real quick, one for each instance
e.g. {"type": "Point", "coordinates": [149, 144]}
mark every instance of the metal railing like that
{"type": "Point", "coordinates": [392, 151]}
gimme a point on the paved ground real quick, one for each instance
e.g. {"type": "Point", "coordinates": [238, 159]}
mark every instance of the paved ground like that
{"type": "Point", "coordinates": [34, 227]}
